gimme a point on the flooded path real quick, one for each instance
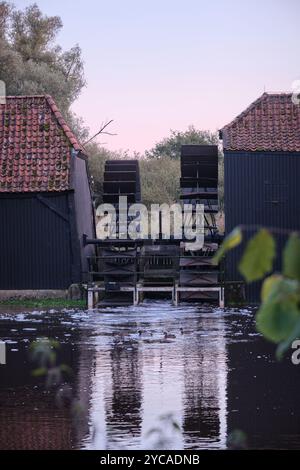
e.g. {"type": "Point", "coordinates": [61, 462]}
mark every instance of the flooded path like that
{"type": "Point", "coordinates": [148, 376]}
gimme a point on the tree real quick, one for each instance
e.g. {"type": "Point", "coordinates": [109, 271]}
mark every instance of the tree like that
{"type": "Point", "coordinates": [159, 180]}
{"type": "Point", "coordinates": [5, 12]}
{"type": "Point", "coordinates": [96, 163]}
{"type": "Point", "coordinates": [31, 34]}
{"type": "Point", "coordinates": [171, 146]}
{"type": "Point", "coordinates": [31, 62]}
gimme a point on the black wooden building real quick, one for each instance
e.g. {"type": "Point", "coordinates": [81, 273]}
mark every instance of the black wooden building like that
{"type": "Point", "coordinates": [45, 199]}
{"type": "Point", "coordinates": [261, 173]}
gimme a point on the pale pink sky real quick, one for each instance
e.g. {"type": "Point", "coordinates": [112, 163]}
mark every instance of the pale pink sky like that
{"type": "Point", "coordinates": [158, 65]}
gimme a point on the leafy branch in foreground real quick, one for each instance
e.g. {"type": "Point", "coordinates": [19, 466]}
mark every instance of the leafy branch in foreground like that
{"type": "Point", "coordinates": [43, 352]}
{"type": "Point", "coordinates": [278, 317]}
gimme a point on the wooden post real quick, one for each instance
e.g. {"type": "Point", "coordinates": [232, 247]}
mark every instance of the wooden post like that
{"type": "Point", "coordinates": [176, 295]}
{"type": "Point", "coordinates": [90, 299]}
{"type": "Point", "coordinates": [221, 297]}
{"type": "Point", "coordinates": [135, 296]}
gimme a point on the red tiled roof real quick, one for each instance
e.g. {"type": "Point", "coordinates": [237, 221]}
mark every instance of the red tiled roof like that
{"type": "Point", "coordinates": [35, 145]}
{"type": "Point", "coordinates": [271, 123]}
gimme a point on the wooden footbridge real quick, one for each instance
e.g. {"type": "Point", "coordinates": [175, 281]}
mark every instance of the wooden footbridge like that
{"type": "Point", "coordinates": [124, 271]}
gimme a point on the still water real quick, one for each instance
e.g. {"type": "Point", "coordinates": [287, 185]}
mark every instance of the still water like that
{"type": "Point", "coordinates": [147, 377]}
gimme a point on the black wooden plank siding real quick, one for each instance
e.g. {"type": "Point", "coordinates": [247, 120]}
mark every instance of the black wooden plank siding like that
{"type": "Point", "coordinates": [261, 188]}
{"type": "Point", "coordinates": [38, 249]}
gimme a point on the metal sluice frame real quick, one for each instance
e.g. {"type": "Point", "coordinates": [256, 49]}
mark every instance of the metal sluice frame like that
{"type": "Point", "coordinates": [123, 265]}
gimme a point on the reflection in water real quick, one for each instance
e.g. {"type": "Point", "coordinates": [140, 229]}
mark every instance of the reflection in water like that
{"type": "Point", "coordinates": [205, 383]}
{"type": "Point", "coordinates": [28, 417]}
{"type": "Point", "coordinates": [84, 371]}
{"type": "Point", "coordinates": [123, 399]}
{"type": "Point", "coordinates": [263, 394]}
{"type": "Point", "coordinates": [212, 373]}
{"type": "Point", "coordinates": [163, 387]}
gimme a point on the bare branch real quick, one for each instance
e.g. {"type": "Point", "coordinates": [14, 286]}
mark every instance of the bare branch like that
{"type": "Point", "coordinates": [101, 131]}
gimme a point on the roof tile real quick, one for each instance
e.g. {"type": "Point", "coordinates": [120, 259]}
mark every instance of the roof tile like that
{"type": "Point", "coordinates": [271, 123]}
{"type": "Point", "coordinates": [35, 144]}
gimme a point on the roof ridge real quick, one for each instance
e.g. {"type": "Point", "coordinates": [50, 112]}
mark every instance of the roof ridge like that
{"type": "Point", "coordinates": [62, 122]}
{"type": "Point", "coordinates": [253, 104]}
{"type": "Point", "coordinates": [242, 114]}
{"type": "Point", "coordinates": [278, 93]}
{"type": "Point", "coordinates": [271, 122]}
{"type": "Point", "coordinates": [24, 96]}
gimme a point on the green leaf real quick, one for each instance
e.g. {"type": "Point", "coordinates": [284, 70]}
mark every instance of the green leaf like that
{"type": "Point", "coordinates": [291, 257]}
{"type": "Point", "coordinates": [285, 345]}
{"type": "Point", "coordinates": [277, 288]}
{"type": "Point", "coordinates": [277, 320]}
{"type": "Point", "coordinates": [269, 284]}
{"type": "Point", "coordinates": [258, 256]}
{"type": "Point", "coordinates": [232, 240]}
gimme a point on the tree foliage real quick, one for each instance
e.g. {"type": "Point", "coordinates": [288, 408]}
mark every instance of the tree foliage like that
{"type": "Point", "coordinates": [31, 62]}
{"type": "Point", "coordinates": [171, 146]}
{"type": "Point", "coordinates": [159, 180]}
{"type": "Point", "coordinates": [160, 177]}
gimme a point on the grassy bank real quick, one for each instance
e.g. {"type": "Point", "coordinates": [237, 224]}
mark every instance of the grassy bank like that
{"type": "Point", "coordinates": [45, 304]}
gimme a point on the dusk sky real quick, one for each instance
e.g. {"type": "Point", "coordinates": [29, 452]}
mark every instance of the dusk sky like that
{"type": "Point", "coordinates": [157, 65]}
